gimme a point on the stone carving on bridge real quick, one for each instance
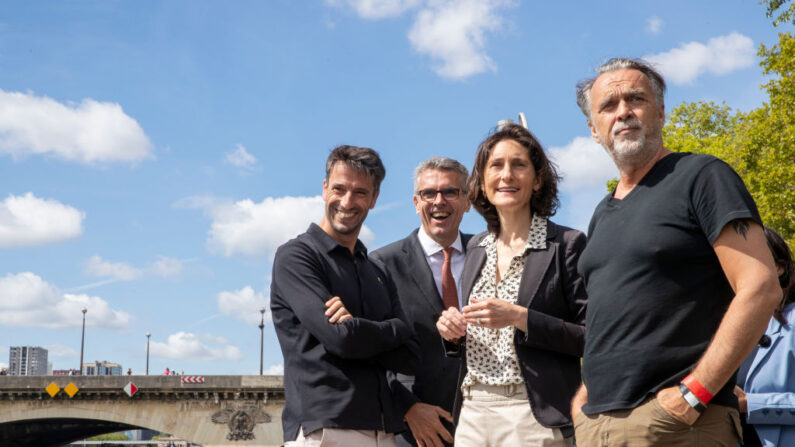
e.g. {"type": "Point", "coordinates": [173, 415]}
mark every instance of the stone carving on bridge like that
{"type": "Point", "coordinates": [241, 423]}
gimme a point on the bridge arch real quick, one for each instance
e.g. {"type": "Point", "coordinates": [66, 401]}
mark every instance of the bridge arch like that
{"type": "Point", "coordinates": [222, 411]}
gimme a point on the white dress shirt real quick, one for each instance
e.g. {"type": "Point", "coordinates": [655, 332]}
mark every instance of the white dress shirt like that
{"type": "Point", "coordinates": [435, 258]}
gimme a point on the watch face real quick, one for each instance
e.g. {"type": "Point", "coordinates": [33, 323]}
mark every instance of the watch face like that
{"type": "Point", "coordinates": [691, 398]}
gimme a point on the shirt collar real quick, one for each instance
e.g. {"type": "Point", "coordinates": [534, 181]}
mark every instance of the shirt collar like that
{"type": "Point", "coordinates": [431, 247]}
{"type": "Point", "coordinates": [329, 244]}
{"type": "Point", "coordinates": [536, 237]}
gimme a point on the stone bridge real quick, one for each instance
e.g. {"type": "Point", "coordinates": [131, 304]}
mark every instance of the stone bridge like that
{"type": "Point", "coordinates": [221, 411]}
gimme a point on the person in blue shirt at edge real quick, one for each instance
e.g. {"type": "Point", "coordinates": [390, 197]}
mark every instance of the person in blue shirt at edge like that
{"type": "Point", "coordinates": [768, 375]}
{"type": "Point", "coordinates": [338, 319]}
{"type": "Point", "coordinates": [679, 279]}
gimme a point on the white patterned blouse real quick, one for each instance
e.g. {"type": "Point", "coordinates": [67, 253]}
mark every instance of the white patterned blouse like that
{"type": "Point", "coordinates": [491, 354]}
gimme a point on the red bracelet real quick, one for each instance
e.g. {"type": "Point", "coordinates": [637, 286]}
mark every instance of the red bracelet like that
{"type": "Point", "coordinates": [698, 389]}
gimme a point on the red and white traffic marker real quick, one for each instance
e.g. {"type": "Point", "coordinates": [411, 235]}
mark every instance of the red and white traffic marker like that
{"type": "Point", "coordinates": [192, 379]}
{"type": "Point", "coordinates": [130, 389]}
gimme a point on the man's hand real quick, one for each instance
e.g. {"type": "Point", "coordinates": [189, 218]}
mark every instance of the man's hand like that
{"type": "Point", "coordinates": [336, 311]}
{"type": "Point", "coordinates": [425, 425]}
{"type": "Point", "coordinates": [451, 325]}
{"type": "Point", "coordinates": [673, 403]}
{"type": "Point", "coordinates": [580, 398]}
{"type": "Point", "coordinates": [494, 313]}
{"type": "Point", "coordinates": [742, 399]}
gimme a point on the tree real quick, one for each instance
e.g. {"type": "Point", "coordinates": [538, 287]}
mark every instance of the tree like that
{"type": "Point", "coordinates": [759, 145]}
{"type": "Point", "coordinates": [109, 437]}
{"type": "Point", "coordinates": [785, 16]}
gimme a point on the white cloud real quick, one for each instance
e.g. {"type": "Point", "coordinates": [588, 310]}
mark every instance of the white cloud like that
{"type": "Point", "coordinates": [28, 220]}
{"type": "Point", "coordinates": [205, 202]}
{"type": "Point", "coordinates": [654, 25]}
{"type": "Point", "coordinates": [452, 32]}
{"type": "Point", "coordinates": [163, 267]}
{"type": "Point", "coordinates": [26, 300]}
{"type": "Point", "coordinates": [244, 305]}
{"type": "Point", "coordinates": [166, 267]}
{"type": "Point", "coordinates": [274, 370]}
{"type": "Point", "coordinates": [721, 55]}
{"type": "Point", "coordinates": [586, 168]}
{"type": "Point", "coordinates": [58, 350]}
{"type": "Point", "coordinates": [241, 158]}
{"type": "Point", "coordinates": [584, 164]}
{"type": "Point", "coordinates": [96, 266]}
{"type": "Point", "coordinates": [217, 339]}
{"type": "Point", "coordinates": [90, 132]}
{"type": "Point", "coordinates": [377, 9]}
{"type": "Point", "coordinates": [185, 345]}
{"type": "Point", "coordinates": [253, 229]}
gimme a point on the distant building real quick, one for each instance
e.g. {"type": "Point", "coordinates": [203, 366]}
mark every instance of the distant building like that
{"type": "Point", "coordinates": [103, 368]}
{"type": "Point", "coordinates": [27, 361]}
{"type": "Point", "coordinates": [142, 434]}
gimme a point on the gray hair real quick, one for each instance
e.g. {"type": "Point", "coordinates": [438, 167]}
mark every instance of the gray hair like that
{"type": "Point", "coordinates": [442, 164]}
{"type": "Point", "coordinates": [619, 63]}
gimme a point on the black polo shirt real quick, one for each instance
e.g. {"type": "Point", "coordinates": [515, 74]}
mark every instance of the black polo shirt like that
{"type": "Point", "coordinates": [335, 374]}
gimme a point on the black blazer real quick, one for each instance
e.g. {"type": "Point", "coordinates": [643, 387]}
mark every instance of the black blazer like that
{"type": "Point", "coordinates": [549, 353]}
{"type": "Point", "coordinates": [435, 381]}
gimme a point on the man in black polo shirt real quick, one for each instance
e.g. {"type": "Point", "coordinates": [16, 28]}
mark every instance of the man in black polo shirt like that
{"type": "Point", "coordinates": [338, 319]}
{"type": "Point", "coordinates": [680, 282]}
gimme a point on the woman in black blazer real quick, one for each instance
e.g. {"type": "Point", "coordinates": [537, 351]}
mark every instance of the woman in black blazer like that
{"type": "Point", "coordinates": [521, 332]}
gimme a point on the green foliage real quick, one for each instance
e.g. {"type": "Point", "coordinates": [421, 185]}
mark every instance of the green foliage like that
{"type": "Point", "coordinates": [785, 16]}
{"type": "Point", "coordinates": [110, 437]}
{"type": "Point", "coordinates": [612, 183]}
{"type": "Point", "coordinates": [759, 145]}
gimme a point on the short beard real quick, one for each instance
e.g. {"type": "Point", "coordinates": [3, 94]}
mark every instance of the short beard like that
{"type": "Point", "coordinates": [630, 155]}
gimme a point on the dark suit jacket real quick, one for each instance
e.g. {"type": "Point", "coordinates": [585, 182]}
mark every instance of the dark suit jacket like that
{"type": "Point", "coordinates": [435, 381]}
{"type": "Point", "coordinates": [549, 353]}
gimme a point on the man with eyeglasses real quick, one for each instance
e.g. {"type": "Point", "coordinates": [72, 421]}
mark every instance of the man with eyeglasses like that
{"type": "Point", "coordinates": [426, 267]}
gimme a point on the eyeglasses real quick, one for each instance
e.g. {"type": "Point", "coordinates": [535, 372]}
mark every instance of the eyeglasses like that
{"type": "Point", "coordinates": [429, 195]}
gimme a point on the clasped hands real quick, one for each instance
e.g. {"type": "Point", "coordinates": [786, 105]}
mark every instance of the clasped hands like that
{"type": "Point", "coordinates": [491, 313]}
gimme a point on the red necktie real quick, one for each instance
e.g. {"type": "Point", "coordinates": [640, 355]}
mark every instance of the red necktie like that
{"type": "Point", "coordinates": [449, 293]}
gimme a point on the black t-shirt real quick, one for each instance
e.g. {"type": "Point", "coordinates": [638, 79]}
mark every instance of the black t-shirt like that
{"type": "Point", "coordinates": [656, 290]}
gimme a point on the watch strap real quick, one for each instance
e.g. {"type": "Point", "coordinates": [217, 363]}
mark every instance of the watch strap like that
{"type": "Point", "coordinates": [691, 398]}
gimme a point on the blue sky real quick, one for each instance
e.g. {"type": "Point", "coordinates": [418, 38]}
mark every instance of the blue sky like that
{"type": "Point", "coordinates": [154, 154]}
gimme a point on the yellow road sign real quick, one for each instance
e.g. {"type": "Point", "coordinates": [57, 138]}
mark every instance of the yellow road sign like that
{"type": "Point", "coordinates": [71, 389]}
{"type": "Point", "coordinates": [52, 389]}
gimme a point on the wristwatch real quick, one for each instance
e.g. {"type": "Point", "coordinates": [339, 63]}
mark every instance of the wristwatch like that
{"type": "Point", "coordinates": [691, 398]}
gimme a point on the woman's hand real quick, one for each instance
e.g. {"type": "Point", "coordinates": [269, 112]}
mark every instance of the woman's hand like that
{"type": "Point", "coordinates": [494, 313]}
{"type": "Point", "coordinates": [451, 325]}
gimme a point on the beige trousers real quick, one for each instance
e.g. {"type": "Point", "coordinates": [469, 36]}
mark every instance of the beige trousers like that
{"type": "Point", "coordinates": [337, 437]}
{"type": "Point", "coordinates": [495, 416]}
{"type": "Point", "coordinates": [649, 425]}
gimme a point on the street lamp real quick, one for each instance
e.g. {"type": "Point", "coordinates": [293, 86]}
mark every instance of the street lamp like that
{"type": "Point", "coordinates": [147, 352]}
{"type": "Point", "coordinates": [82, 340]}
{"type": "Point", "coordinates": [261, 337]}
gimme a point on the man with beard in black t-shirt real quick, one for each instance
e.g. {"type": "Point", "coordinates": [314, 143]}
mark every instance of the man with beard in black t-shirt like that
{"type": "Point", "coordinates": [680, 282]}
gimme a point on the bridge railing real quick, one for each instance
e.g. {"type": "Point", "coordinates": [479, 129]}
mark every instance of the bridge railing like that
{"type": "Point", "coordinates": [89, 387]}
